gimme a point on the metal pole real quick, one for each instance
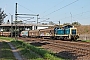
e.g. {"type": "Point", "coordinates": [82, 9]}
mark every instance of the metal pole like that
{"type": "Point", "coordinates": [71, 17]}
{"type": "Point", "coordinates": [11, 25]}
{"type": "Point", "coordinates": [37, 21]}
{"type": "Point", "coordinates": [59, 24]}
{"type": "Point", "coordinates": [15, 22]}
{"type": "Point", "coordinates": [24, 26]}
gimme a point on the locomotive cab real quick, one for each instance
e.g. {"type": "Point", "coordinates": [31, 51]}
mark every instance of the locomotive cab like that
{"type": "Point", "coordinates": [73, 33]}
{"type": "Point", "coordinates": [66, 32]}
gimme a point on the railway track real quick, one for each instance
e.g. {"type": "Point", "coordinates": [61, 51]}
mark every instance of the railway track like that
{"type": "Point", "coordinates": [66, 49]}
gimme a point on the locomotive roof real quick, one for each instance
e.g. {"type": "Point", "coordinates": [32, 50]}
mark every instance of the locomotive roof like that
{"type": "Point", "coordinates": [67, 26]}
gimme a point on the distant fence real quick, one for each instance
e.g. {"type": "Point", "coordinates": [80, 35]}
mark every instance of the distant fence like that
{"type": "Point", "coordinates": [84, 37]}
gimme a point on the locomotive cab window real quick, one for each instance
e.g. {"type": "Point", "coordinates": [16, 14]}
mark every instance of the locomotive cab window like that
{"type": "Point", "coordinates": [73, 31]}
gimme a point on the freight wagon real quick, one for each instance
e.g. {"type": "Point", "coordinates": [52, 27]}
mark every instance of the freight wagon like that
{"type": "Point", "coordinates": [33, 33]}
{"type": "Point", "coordinates": [65, 32]}
{"type": "Point", "coordinates": [24, 34]}
{"type": "Point", "coordinates": [6, 34]}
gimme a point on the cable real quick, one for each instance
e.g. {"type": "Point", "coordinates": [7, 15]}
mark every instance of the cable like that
{"type": "Point", "coordinates": [53, 7]}
{"type": "Point", "coordinates": [62, 7]}
{"type": "Point", "coordinates": [75, 15]}
{"type": "Point", "coordinates": [26, 8]}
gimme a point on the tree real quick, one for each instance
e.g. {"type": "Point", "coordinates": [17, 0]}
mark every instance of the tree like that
{"type": "Point", "coordinates": [2, 16]}
{"type": "Point", "coordinates": [51, 23]}
{"type": "Point", "coordinates": [76, 23]}
{"type": "Point", "coordinates": [66, 24]}
{"type": "Point", "coordinates": [44, 23]}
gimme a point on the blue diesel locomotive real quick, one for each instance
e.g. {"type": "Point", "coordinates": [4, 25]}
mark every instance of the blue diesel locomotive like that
{"type": "Point", "coordinates": [66, 32]}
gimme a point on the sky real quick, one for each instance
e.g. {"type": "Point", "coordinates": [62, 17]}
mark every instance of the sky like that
{"type": "Point", "coordinates": [65, 11]}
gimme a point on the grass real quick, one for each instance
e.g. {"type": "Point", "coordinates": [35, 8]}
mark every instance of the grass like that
{"type": "Point", "coordinates": [6, 38]}
{"type": "Point", "coordinates": [37, 54]}
{"type": "Point", "coordinates": [85, 40]}
{"type": "Point", "coordinates": [31, 52]}
{"type": "Point", "coordinates": [25, 52]}
{"type": "Point", "coordinates": [5, 52]}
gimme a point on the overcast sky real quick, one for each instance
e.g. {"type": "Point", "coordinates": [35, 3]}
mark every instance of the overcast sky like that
{"type": "Point", "coordinates": [65, 11]}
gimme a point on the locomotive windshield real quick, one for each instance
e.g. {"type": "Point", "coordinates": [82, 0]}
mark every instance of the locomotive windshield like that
{"type": "Point", "coordinates": [73, 31]}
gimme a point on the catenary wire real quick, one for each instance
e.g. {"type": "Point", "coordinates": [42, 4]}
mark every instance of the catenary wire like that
{"type": "Point", "coordinates": [61, 8]}
{"type": "Point", "coordinates": [53, 7]}
{"type": "Point", "coordinates": [26, 8]}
